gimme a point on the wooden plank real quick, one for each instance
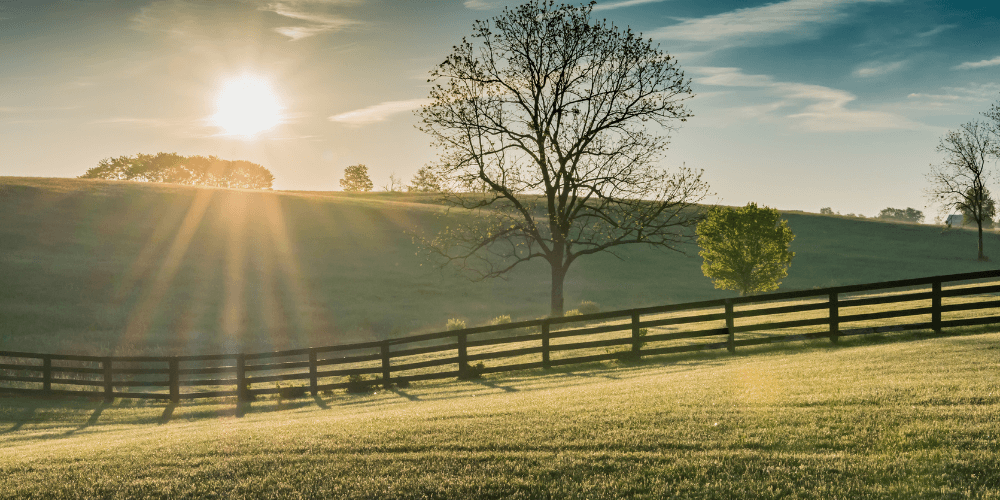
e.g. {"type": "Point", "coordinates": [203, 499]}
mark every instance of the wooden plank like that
{"type": "Point", "coordinates": [349, 359]}
{"type": "Point", "coordinates": [731, 326]}
{"type": "Point", "coordinates": [242, 391]}
{"type": "Point", "coordinates": [425, 364]}
{"type": "Point", "coordinates": [711, 332]}
{"type": "Point", "coordinates": [47, 374]}
{"type": "Point", "coordinates": [425, 350]}
{"type": "Point", "coordinates": [276, 378]}
{"type": "Point", "coordinates": [109, 394]}
{"type": "Point", "coordinates": [204, 370]}
{"type": "Point", "coordinates": [313, 379]}
{"type": "Point", "coordinates": [208, 382]}
{"type": "Point", "coordinates": [936, 306]}
{"type": "Point", "coordinates": [348, 372]}
{"type": "Point", "coordinates": [834, 317]}
{"type": "Point", "coordinates": [636, 339]}
{"type": "Point", "coordinates": [175, 377]}
{"type": "Point", "coordinates": [546, 350]}
{"type": "Point", "coordinates": [591, 344]}
{"type": "Point", "coordinates": [685, 320]}
{"type": "Point", "coordinates": [886, 314]}
{"type": "Point", "coordinates": [777, 339]}
{"type": "Point", "coordinates": [28, 368]}
{"type": "Point", "coordinates": [770, 311]}
{"type": "Point", "coordinates": [290, 365]}
{"type": "Point", "coordinates": [524, 351]}
{"type": "Point", "coordinates": [970, 322]}
{"type": "Point", "coordinates": [889, 299]}
{"type": "Point", "coordinates": [969, 306]}
{"type": "Point", "coordinates": [783, 324]}
{"type": "Point", "coordinates": [687, 348]}
{"type": "Point", "coordinates": [11, 378]}
{"type": "Point", "coordinates": [386, 367]}
{"type": "Point", "coordinates": [972, 290]}
{"type": "Point", "coordinates": [503, 340]}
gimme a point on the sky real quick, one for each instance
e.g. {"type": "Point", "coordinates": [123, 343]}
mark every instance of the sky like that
{"type": "Point", "coordinates": [799, 104]}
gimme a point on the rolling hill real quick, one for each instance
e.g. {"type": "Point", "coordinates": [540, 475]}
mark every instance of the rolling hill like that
{"type": "Point", "coordinates": [126, 268]}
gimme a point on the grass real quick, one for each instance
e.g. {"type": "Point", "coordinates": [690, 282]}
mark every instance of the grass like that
{"type": "Point", "coordinates": [103, 267]}
{"type": "Point", "coordinates": [917, 417]}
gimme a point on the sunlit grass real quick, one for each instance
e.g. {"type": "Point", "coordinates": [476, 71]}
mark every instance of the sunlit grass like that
{"type": "Point", "coordinates": [913, 418]}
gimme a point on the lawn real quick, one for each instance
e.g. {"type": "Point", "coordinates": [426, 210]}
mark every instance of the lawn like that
{"type": "Point", "coordinates": [900, 416]}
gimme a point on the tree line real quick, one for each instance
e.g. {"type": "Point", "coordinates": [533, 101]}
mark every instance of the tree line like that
{"type": "Point", "coordinates": [177, 169]}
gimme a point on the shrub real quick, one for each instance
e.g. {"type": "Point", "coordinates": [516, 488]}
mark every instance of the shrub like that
{"type": "Point", "coordinates": [572, 312]}
{"type": "Point", "coordinates": [293, 392]}
{"type": "Point", "coordinates": [356, 384]}
{"type": "Point", "coordinates": [589, 307]}
{"type": "Point", "coordinates": [503, 319]}
{"type": "Point", "coordinates": [471, 372]}
{"type": "Point", "coordinates": [456, 324]}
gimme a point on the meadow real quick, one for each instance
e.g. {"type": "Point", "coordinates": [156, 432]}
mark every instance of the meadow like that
{"type": "Point", "coordinates": [102, 267]}
{"type": "Point", "coordinates": [902, 416]}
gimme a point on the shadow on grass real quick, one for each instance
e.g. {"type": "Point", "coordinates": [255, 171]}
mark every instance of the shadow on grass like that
{"type": "Point", "coordinates": [21, 419]}
{"type": "Point", "coordinates": [90, 421]}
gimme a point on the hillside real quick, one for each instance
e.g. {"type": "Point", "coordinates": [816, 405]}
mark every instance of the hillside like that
{"type": "Point", "coordinates": [99, 267]}
{"type": "Point", "coordinates": [912, 418]}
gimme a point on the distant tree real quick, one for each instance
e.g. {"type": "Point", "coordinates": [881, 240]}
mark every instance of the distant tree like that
{"type": "Point", "coordinates": [989, 212]}
{"type": "Point", "coordinates": [745, 249]}
{"type": "Point", "coordinates": [394, 184]}
{"type": "Point", "coordinates": [177, 169]}
{"type": "Point", "coordinates": [425, 181]}
{"type": "Point", "coordinates": [356, 179]}
{"type": "Point", "coordinates": [551, 124]}
{"type": "Point", "coordinates": [959, 182]}
{"type": "Point", "coordinates": [898, 214]}
{"type": "Point", "coordinates": [826, 211]}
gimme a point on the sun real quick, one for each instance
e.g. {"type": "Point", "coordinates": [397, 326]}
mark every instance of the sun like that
{"type": "Point", "coordinates": [247, 106]}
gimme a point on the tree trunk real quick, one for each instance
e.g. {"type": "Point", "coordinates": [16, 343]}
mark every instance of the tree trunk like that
{"type": "Point", "coordinates": [558, 276]}
{"type": "Point", "coordinates": [982, 256]}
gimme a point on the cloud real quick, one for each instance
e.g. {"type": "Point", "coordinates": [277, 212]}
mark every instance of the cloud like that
{"type": "Point", "coordinates": [812, 107]}
{"type": "Point", "coordinates": [378, 112]}
{"type": "Point", "coordinates": [479, 5]}
{"type": "Point", "coordinates": [131, 121]}
{"type": "Point", "coordinates": [316, 23]}
{"type": "Point", "coordinates": [878, 69]}
{"type": "Point", "coordinates": [985, 63]}
{"type": "Point", "coordinates": [623, 3]}
{"type": "Point", "coordinates": [955, 97]}
{"type": "Point", "coordinates": [752, 25]}
{"type": "Point", "coordinates": [936, 30]}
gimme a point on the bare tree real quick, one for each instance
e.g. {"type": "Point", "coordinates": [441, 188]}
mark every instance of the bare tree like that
{"type": "Point", "coordinates": [960, 181]}
{"type": "Point", "coordinates": [550, 126]}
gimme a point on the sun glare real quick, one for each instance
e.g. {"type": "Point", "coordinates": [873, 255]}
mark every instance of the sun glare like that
{"type": "Point", "coordinates": [247, 106]}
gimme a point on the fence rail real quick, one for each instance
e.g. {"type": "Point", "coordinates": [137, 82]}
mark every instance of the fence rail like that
{"type": "Point", "coordinates": [540, 343]}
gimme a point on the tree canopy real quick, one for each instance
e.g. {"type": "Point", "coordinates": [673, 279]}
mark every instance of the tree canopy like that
{"type": "Point", "coordinates": [177, 169]}
{"type": "Point", "coordinates": [745, 249]}
{"type": "Point", "coordinates": [551, 124]}
{"type": "Point", "coordinates": [356, 179]}
{"type": "Point", "coordinates": [899, 214]}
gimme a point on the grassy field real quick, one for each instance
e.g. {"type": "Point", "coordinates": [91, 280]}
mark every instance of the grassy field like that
{"type": "Point", "coordinates": [902, 416]}
{"type": "Point", "coordinates": [104, 267]}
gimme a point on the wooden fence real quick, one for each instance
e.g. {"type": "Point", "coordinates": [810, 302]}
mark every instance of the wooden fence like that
{"type": "Point", "coordinates": [835, 312]}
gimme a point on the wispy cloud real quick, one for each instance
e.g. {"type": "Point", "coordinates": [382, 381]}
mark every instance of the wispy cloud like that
{"type": "Point", "coordinates": [479, 5]}
{"type": "Point", "coordinates": [812, 107]}
{"type": "Point", "coordinates": [797, 19]}
{"type": "Point", "coordinates": [131, 121]}
{"type": "Point", "coordinates": [936, 30]}
{"type": "Point", "coordinates": [955, 97]}
{"type": "Point", "coordinates": [315, 23]}
{"type": "Point", "coordinates": [985, 63]}
{"type": "Point", "coordinates": [874, 69]}
{"type": "Point", "coordinates": [623, 3]}
{"type": "Point", "coordinates": [378, 112]}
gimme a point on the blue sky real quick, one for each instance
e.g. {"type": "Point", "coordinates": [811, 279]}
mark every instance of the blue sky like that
{"type": "Point", "coordinates": [800, 104]}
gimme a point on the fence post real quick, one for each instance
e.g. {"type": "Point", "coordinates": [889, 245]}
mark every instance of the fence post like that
{"type": "Point", "coordinates": [242, 390]}
{"type": "Point", "coordinates": [175, 380]}
{"type": "Point", "coordinates": [313, 379]}
{"type": "Point", "coordinates": [109, 394]}
{"type": "Point", "coordinates": [386, 371]}
{"type": "Point", "coordinates": [463, 362]}
{"type": "Point", "coordinates": [730, 325]}
{"type": "Point", "coordinates": [636, 344]}
{"type": "Point", "coordinates": [546, 362]}
{"type": "Point", "coordinates": [47, 374]}
{"type": "Point", "coordinates": [834, 318]}
{"type": "Point", "coordinates": [936, 306]}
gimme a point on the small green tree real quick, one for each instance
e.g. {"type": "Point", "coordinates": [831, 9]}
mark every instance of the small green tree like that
{"type": "Point", "coordinates": [988, 208]}
{"type": "Point", "coordinates": [425, 181]}
{"type": "Point", "coordinates": [356, 179]}
{"type": "Point", "coordinates": [745, 249]}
